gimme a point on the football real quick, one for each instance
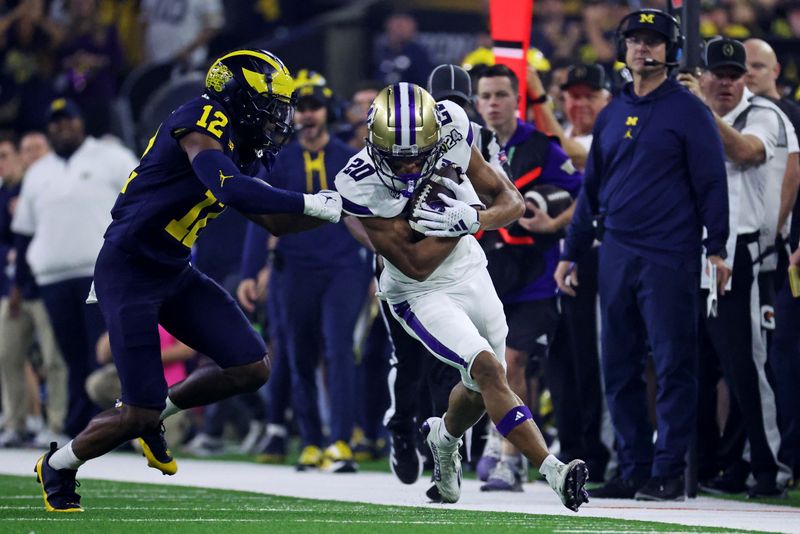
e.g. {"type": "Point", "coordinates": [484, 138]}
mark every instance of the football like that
{"type": "Point", "coordinates": [548, 198]}
{"type": "Point", "coordinates": [427, 193]}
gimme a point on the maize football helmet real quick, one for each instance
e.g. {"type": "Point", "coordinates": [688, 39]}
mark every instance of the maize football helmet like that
{"type": "Point", "coordinates": [255, 87]}
{"type": "Point", "coordinates": [403, 128]}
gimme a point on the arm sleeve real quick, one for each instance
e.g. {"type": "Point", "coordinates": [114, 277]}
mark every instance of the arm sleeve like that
{"type": "Point", "coordinates": [254, 251]}
{"type": "Point", "coordinates": [240, 191]}
{"type": "Point", "coordinates": [705, 159]}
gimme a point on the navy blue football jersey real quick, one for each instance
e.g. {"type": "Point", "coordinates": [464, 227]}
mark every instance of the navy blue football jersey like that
{"type": "Point", "coordinates": [163, 205]}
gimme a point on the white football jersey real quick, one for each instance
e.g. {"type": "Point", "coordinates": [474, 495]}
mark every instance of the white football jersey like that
{"type": "Point", "coordinates": [365, 195]}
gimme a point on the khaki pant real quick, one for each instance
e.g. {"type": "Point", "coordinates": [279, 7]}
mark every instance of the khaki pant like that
{"type": "Point", "coordinates": [17, 335]}
{"type": "Point", "coordinates": [104, 388]}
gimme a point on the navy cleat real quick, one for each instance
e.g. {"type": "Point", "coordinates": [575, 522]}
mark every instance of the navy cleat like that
{"type": "Point", "coordinates": [58, 485]}
{"type": "Point", "coordinates": [568, 483]}
{"type": "Point", "coordinates": [155, 449]}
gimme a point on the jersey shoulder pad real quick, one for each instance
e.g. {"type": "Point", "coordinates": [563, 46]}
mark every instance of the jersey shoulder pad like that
{"type": "Point", "coordinates": [205, 116]}
{"type": "Point", "coordinates": [457, 134]}
{"type": "Point", "coordinates": [454, 117]}
{"type": "Point", "coordinates": [363, 193]}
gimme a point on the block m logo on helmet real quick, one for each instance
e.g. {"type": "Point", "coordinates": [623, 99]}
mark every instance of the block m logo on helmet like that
{"type": "Point", "coordinates": [255, 88]}
{"type": "Point", "coordinates": [647, 18]}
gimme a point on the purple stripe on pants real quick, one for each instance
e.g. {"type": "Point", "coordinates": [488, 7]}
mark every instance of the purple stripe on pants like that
{"type": "Point", "coordinates": [404, 310]}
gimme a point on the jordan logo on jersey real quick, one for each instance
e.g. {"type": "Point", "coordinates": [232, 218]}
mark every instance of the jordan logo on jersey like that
{"type": "Point", "coordinates": [222, 179]}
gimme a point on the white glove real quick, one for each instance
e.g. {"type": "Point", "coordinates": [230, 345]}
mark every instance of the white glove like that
{"type": "Point", "coordinates": [325, 205]}
{"type": "Point", "coordinates": [463, 191]}
{"type": "Point", "coordinates": [457, 219]}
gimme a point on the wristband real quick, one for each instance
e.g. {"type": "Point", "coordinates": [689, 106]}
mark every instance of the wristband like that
{"type": "Point", "coordinates": [539, 99]}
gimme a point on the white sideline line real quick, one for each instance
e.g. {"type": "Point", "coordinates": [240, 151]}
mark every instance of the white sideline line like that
{"type": "Point", "coordinates": [382, 488]}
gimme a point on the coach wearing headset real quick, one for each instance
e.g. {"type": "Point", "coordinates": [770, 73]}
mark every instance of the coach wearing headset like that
{"type": "Point", "coordinates": [655, 176]}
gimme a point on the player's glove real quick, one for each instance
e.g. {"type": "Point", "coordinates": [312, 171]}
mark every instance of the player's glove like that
{"type": "Point", "coordinates": [458, 218]}
{"type": "Point", "coordinates": [463, 191]}
{"type": "Point", "coordinates": [325, 205]}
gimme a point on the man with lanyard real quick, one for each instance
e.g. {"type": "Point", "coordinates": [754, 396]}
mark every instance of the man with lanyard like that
{"type": "Point", "coordinates": [320, 278]}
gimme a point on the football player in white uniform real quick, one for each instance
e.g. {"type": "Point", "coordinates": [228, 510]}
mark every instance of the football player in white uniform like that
{"type": "Point", "coordinates": [438, 287]}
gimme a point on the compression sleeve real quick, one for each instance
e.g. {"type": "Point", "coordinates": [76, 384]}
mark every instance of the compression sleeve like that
{"type": "Point", "coordinates": [240, 191]}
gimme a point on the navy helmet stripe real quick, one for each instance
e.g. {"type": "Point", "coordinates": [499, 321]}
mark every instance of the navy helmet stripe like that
{"type": "Point", "coordinates": [412, 115]}
{"type": "Point", "coordinates": [398, 115]}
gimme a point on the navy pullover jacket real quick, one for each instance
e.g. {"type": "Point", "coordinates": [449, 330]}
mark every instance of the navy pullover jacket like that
{"type": "Point", "coordinates": [656, 170]}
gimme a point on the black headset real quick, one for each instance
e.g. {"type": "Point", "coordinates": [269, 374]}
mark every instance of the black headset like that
{"type": "Point", "coordinates": [674, 42]}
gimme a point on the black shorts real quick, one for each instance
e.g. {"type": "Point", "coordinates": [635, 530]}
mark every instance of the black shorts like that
{"type": "Point", "coordinates": [531, 326]}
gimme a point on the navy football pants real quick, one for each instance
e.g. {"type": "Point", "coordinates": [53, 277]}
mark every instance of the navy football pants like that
{"type": "Point", "coordinates": [322, 306]}
{"type": "Point", "coordinates": [77, 328]}
{"type": "Point", "coordinates": [136, 295]}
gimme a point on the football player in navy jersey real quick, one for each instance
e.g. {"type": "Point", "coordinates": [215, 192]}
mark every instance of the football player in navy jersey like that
{"type": "Point", "coordinates": [205, 156]}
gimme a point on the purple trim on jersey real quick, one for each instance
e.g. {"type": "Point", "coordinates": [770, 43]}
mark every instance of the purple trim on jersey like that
{"type": "Point", "coordinates": [470, 134]}
{"type": "Point", "coordinates": [412, 116]}
{"type": "Point", "coordinates": [515, 417]}
{"type": "Point", "coordinates": [398, 116]}
{"type": "Point", "coordinates": [355, 209]}
{"type": "Point", "coordinates": [404, 310]}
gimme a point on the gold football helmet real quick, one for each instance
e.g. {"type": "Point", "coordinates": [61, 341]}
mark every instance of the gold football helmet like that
{"type": "Point", "coordinates": [404, 136]}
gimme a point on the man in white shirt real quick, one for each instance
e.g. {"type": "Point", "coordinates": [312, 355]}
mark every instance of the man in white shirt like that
{"type": "Point", "coordinates": [180, 30]}
{"type": "Point", "coordinates": [753, 136]}
{"type": "Point", "coordinates": [763, 70]}
{"type": "Point", "coordinates": [62, 212]}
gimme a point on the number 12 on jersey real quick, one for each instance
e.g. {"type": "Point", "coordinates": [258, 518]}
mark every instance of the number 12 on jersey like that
{"type": "Point", "coordinates": [188, 227]}
{"type": "Point", "coordinates": [216, 126]}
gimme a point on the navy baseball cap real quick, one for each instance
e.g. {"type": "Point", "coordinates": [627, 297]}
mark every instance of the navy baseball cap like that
{"type": "Point", "coordinates": [63, 108]}
{"type": "Point", "coordinates": [319, 94]}
{"type": "Point", "coordinates": [652, 20]}
{"type": "Point", "coordinates": [450, 81]}
{"type": "Point", "coordinates": [593, 76]}
{"type": "Point", "coordinates": [724, 52]}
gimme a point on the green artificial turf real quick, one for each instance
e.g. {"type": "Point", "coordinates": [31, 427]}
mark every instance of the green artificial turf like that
{"type": "Point", "coordinates": [113, 507]}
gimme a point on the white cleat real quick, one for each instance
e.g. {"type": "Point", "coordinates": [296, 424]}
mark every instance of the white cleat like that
{"type": "Point", "coordinates": [446, 463]}
{"type": "Point", "coordinates": [569, 482]}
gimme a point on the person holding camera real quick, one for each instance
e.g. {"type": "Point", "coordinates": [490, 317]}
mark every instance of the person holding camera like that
{"type": "Point", "coordinates": [655, 176]}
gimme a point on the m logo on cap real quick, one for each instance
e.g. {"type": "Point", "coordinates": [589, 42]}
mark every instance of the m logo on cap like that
{"type": "Point", "coordinates": [58, 104]}
{"type": "Point", "coordinates": [648, 18]}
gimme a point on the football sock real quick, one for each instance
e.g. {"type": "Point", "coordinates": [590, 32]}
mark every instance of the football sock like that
{"type": "Point", "coordinates": [549, 466]}
{"type": "Point", "coordinates": [170, 409]}
{"type": "Point", "coordinates": [64, 458]}
{"type": "Point", "coordinates": [444, 435]}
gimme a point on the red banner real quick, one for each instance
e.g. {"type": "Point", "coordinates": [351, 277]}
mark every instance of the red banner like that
{"type": "Point", "coordinates": [511, 32]}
